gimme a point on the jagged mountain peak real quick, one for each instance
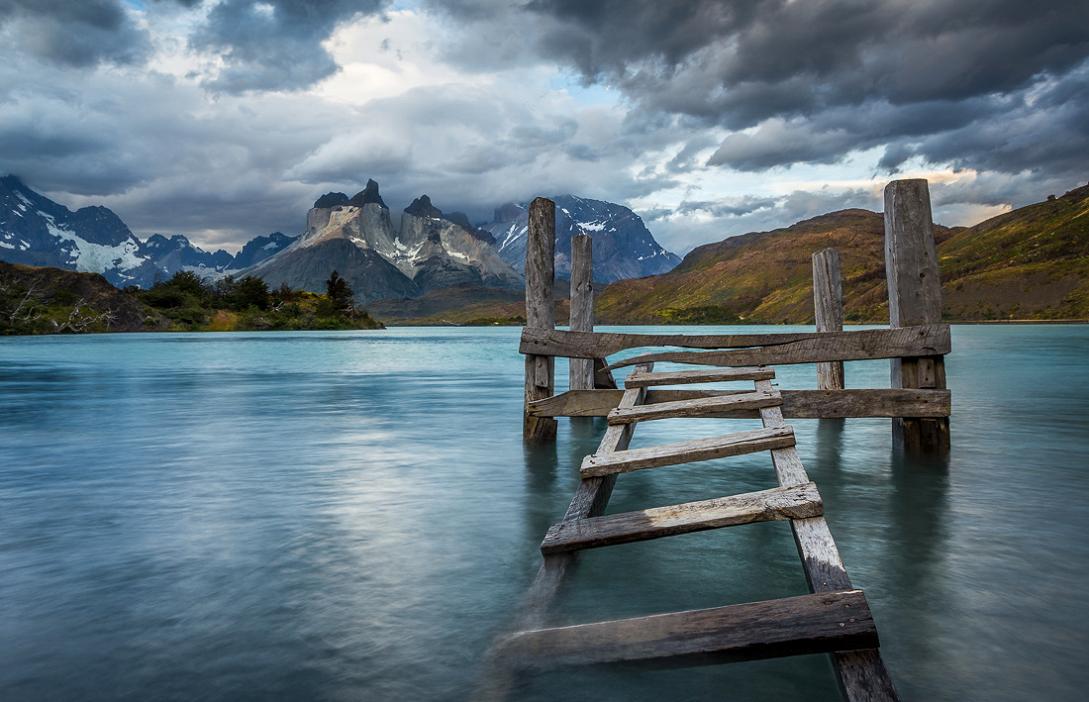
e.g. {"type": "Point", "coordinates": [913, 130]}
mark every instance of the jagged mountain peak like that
{"type": "Point", "coordinates": [368, 195]}
{"type": "Point", "coordinates": [422, 207]}
{"type": "Point", "coordinates": [331, 200]}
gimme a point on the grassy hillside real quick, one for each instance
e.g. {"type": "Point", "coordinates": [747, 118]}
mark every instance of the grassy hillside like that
{"type": "Point", "coordinates": [1032, 263]}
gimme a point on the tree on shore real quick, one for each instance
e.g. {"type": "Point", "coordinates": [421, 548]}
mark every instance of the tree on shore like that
{"type": "Point", "coordinates": [340, 294]}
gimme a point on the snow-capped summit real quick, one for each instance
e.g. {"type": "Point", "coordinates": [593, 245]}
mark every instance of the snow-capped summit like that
{"type": "Point", "coordinates": [40, 232]}
{"type": "Point", "coordinates": [37, 231]}
{"type": "Point", "coordinates": [623, 246]}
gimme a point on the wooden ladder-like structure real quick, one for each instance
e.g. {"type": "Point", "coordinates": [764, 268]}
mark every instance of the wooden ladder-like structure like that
{"type": "Point", "coordinates": [834, 618]}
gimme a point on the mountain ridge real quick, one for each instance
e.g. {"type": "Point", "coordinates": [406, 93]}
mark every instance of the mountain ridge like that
{"type": "Point", "coordinates": [1032, 262]}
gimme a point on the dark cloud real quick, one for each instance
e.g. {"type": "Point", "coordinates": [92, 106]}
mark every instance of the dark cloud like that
{"type": "Point", "coordinates": [809, 82]}
{"type": "Point", "coordinates": [275, 44]}
{"type": "Point", "coordinates": [80, 34]}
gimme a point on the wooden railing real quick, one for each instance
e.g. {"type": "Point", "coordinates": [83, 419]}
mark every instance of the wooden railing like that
{"type": "Point", "coordinates": [916, 341]}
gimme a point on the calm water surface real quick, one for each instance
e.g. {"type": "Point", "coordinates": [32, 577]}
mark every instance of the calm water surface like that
{"type": "Point", "coordinates": [352, 516]}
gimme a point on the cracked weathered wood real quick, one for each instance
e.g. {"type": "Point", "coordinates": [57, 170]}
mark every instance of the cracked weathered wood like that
{"type": "Point", "coordinates": [828, 311]}
{"type": "Point", "coordinates": [694, 408]}
{"type": "Point", "coordinates": [797, 404]}
{"type": "Point", "coordinates": [807, 624]}
{"type": "Point", "coordinates": [925, 340]}
{"type": "Point", "coordinates": [915, 297]}
{"type": "Point", "coordinates": [540, 313]}
{"type": "Point", "coordinates": [713, 375]}
{"type": "Point", "coordinates": [581, 375]}
{"type": "Point", "coordinates": [735, 444]}
{"type": "Point", "coordinates": [600, 344]}
{"type": "Point", "coordinates": [792, 502]}
{"type": "Point", "coordinates": [861, 674]}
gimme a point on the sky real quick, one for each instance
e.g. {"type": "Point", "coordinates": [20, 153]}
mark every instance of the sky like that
{"type": "Point", "coordinates": [225, 119]}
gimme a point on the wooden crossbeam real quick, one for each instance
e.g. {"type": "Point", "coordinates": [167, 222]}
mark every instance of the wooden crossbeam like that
{"type": "Point", "coordinates": [797, 404]}
{"type": "Point", "coordinates": [792, 502]}
{"type": "Point", "coordinates": [695, 408]}
{"type": "Point", "coordinates": [734, 444]}
{"type": "Point", "coordinates": [817, 623]}
{"type": "Point", "coordinates": [925, 340]}
{"type": "Point", "coordinates": [714, 375]}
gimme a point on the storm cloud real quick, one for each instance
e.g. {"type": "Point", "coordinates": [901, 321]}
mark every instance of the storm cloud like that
{"type": "Point", "coordinates": [223, 119]}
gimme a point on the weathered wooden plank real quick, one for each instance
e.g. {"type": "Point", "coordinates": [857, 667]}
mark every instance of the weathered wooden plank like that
{"type": "Point", "coordinates": [925, 340]}
{"type": "Point", "coordinates": [735, 444]}
{"type": "Point", "coordinates": [540, 313]}
{"type": "Point", "coordinates": [581, 376]}
{"type": "Point", "coordinates": [861, 674]}
{"type": "Point", "coordinates": [694, 408]}
{"type": "Point", "coordinates": [828, 311]}
{"type": "Point", "coordinates": [599, 344]}
{"type": "Point", "coordinates": [713, 375]}
{"type": "Point", "coordinates": [797, 404]}
{"type": "Point", "coordinates": [807, 624]}
{"type": "Point", "coordinates": [763, 506]}
{"type": "Point", "coordinates": [915, 297]}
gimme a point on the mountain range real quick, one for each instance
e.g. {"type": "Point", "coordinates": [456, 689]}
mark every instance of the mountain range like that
{"type": "Point", "coordinates": [427, 251]}
{"type": "Point", "coordinates": [37, 231]}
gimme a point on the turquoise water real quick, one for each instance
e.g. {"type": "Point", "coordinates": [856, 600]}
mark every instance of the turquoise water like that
{"type": "Point", "coordinates": [333, 516]}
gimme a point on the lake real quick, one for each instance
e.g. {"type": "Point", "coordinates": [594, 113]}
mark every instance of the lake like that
{"type": "Point", "coordinates": [353, 515]}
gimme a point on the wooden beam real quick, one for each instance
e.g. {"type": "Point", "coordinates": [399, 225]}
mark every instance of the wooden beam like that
{"type": "Point", "coordinates": [807, 624]}
{"type": "Point", "coordinates": [540, 313]}
{"type": "Point", "coordinates": [735, 444]}
{"type": "Point", "coordinates": [694, 408]}
{"type": "Point", "coordinates": [599, 344]}
{"type": "Point", "coordinates": [915, 297]}
{"type": "Point", "coordinates": [861, 673]}
{"type": "Point", "coordinates": [797, 404]}
{"type": "Point", "coordinates": [715, 375]}
{"type": "Point", "coordinates": [582, 307]}
{"type": "Point", "coordinates": [828, 311]}
{"type": "Point", "coordinates": [792, 502]}
{"type": "Point", "coordinates": [925, 340]}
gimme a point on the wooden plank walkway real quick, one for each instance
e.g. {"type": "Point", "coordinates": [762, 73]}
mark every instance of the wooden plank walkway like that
{"type": "Point", "coordinates": [834, 619]}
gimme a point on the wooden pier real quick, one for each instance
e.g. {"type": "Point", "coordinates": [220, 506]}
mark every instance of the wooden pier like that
{"type": "Point", "coordinates": [835, 617]}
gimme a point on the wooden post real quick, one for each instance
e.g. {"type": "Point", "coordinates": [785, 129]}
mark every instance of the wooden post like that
{"type": "Point", "coordinates": [540, 313]}
{"type": "Point", "coordinates": [828, 311]}
{"type": "Point", "coordinates": [915, 297]}
{"type": "Point", "coordinates": [582, 307]}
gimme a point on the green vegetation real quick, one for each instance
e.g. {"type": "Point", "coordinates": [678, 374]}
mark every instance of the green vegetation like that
{"type": "Point", "coordinates": [37, 300]}
{"type": "Point", "coordinates": [247, 304]}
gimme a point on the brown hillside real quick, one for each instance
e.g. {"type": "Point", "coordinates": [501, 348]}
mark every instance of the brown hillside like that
{"type": "Point", "coordinates": [1032, 263]}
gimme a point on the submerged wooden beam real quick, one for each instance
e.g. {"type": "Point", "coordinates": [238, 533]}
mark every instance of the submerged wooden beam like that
{"type": "Point", "coordinates": [861, 674]}
{"type": "Point", "coordinates": [734, 444]}
{"type": "Point", "coordinates": [797, 404]}
{"type": "Point", "coordinates": [792, 502]}
{"type": "Point", "coordinates": [816, 623]}
{"type": "Point", "coordinates": [923, 340]}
